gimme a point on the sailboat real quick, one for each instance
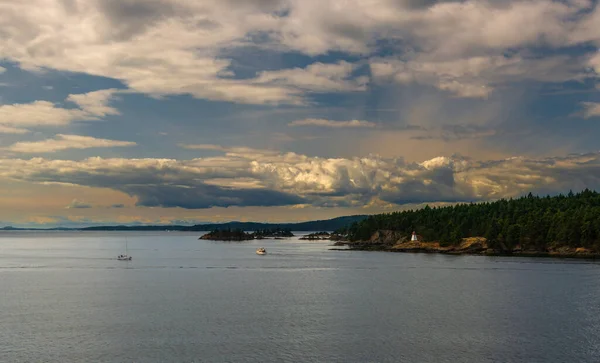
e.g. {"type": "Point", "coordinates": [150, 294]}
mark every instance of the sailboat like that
{"type": "Point", "coordinates": [126, 256]}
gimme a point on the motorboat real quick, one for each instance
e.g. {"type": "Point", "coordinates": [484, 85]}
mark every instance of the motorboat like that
{"type": "Point", "coordinates": [261, 251]}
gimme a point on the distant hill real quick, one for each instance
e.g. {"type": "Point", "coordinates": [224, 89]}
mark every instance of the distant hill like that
{"type": "Point", "coordinates": [319, 225]}
{"type": "Point", "coordinates": [11, 228]}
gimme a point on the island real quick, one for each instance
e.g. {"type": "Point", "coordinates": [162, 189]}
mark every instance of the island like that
{"type": "Point", "coordinates": [241, 235]}
{"type": "Point", "coordinates": [561, 226]}
{"type": "Point", "coordinates": [227, 235]}
{"type": "Point", "coordinates": [316, 236]}
{"type": "Point", "coordinates": [276, 233]}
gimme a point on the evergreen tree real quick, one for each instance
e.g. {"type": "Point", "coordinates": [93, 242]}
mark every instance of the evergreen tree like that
{"type": "Point", "coordinates": [532, 221]}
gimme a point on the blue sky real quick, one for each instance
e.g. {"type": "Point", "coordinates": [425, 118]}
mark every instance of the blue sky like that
{"type": "Point", "coordinates": [283, 110]}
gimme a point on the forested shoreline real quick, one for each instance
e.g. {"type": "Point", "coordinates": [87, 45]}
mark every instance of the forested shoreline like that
{"type": "Point", "coordinates": [531, 223]}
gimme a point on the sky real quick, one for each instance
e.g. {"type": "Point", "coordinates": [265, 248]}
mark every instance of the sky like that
{"type": "Point", "coordinates": [191, 111]}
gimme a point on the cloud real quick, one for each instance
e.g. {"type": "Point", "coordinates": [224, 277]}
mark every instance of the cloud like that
{"type": "Point", "coordinates": [95, 103]}
{"type": "Point", "coordinates": [206, 196]}
{"type": "Point", "coordinates": [332, 124]}
{"type": "Point", "coordinates": [119, 205]}
{"type": "Point", "coordinates": [131, 18]}
{"type": "Point", "coordinates": [241, 179]}
{"type": "Point", "coordinates": [77, 204]}
{"type": "Point", "coordinates": [12, 130]}
{"type": "Point", "coordinates": [233, 151]}
{"type": "Point", "coordinates": [203, 147]}
{"type": "Point", "coordinates": [591, 109]}
{"type": "Point", "coordinates": [446, 28]}
{"type": "Point", "coordinates": [317, 77]}
{"type": "Point", "coordinates": [594, 61]}
{"type": "Point", "coordinates": [477, 77]}
{"type": "Point", "coordinates": [92, 106]}
{"type": "Point", "coordinates": [63, 142]}
{"type": "Point", "coordinates": [415, 56]}
{"type": "Point", "coordinates": [167, 47]}
{"type": "Point", "coordinates": [38, 113]}
{"type": "Point", "coordinates": [455, 28]}
{"type": "Point", "coordinates": [2, 70]}
{"type": "Point", "coordinates": [173, 47]}
{"type": "Point", "coordinates": [456, 132]}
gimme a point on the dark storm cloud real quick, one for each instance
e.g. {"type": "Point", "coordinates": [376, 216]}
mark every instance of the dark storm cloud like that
{"type": "Point", "coordinates": [169, 187]}
{"type": "Point", "coordinates": [437, 184]}
{"type": "Point", "coordinates": [207, 196]}
{"type": "Point", "coordinates": [279, 180]}
{"type": "Point", "coordinates": [417, 191]}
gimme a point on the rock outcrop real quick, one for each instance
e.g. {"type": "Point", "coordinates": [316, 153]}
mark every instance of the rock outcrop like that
{"type": "Point", "coordinates": [387, 237]}
{"type": "Point", "coordinates": [380, 240]}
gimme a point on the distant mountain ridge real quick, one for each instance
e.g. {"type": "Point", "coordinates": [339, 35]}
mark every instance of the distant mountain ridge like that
{"type": "Point", "coordinates": [318, 225]}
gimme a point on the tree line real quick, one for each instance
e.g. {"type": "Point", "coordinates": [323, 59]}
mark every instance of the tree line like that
{"type": "Point", "coordinates": [532, 222]}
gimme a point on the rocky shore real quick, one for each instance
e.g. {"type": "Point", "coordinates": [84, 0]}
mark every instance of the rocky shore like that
{"type": "Point", "coordinates": [393, 241]}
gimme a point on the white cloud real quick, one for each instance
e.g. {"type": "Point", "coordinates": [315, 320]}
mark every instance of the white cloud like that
{"type": "Point", "coordinates": [172, 47]}
{"type": "Point", "coordinates": [459, 27]}
{"type": "Point", "coordinates": [2, 70]}
{"type": "Point", "coordinates": [241, 179]}
{"type": "Point", "coordinates": [332, 124]}
{"type": "Point", "coordinates": [93, 106]}
{"type": "Point", "coordinates": [476, 77]}
{"type": "Point", "coordinates": [591, 109]}
{"type": "Point", "coordinates": [446, 28]}
{"type": "Point", "coordinates": [317, 77]}
{"type": "Point", "coordinates": [158, 48]}
{"type": "Point", "coordinates": [63, 142]}
{"type": "Point", "coordinates": [77, 204]}
{"type": "Point", "coordinates": [12, 130]}
{"type": "Point", "coordinates": [38, 113]}
{"type": "Point", "coordinates": [586, 29]}
{"type": "Point", "coordinates": [95, 103]}
{"type": "Point", "coordinates": [165, 47]}
{"type": "Point", "coordinates": [594, 61]}
{"type": "Point", "coordinates": [230, 150]}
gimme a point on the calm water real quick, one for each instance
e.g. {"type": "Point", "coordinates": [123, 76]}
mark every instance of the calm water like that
{"type": "Point", "coordinates": [64, 298]}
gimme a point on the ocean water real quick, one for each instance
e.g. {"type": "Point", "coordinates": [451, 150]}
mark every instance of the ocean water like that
{"type": "Point", "coordinates": [65, 298]}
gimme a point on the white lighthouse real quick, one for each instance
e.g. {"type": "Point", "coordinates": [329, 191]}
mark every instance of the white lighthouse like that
{"type": "Point", "coordinates": [414, 236]}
